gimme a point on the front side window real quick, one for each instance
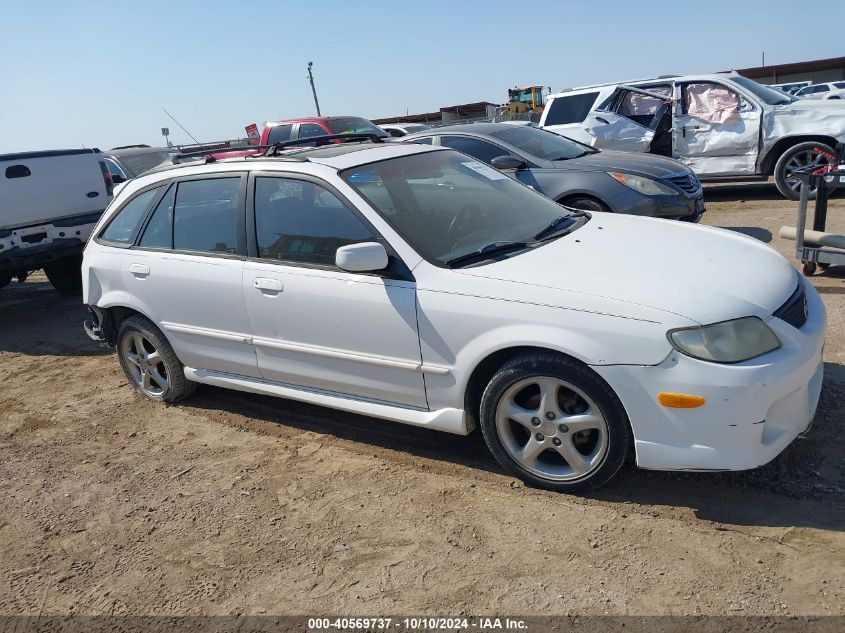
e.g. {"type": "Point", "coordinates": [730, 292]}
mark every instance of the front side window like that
{"type": "Point", "coordinates": [571, 109]}
{"type": "Point", "coordinates": [302, 222]}
{"type": "Point", "coordinates": [353, 125]}
{"type": "Point", "coordinates": [205, 215]}
{"type": "Point", "coordinates": [447, 205]}
{"type": "Point", "coordinates": [710, 101]}
{"type": "Point", "coordinates": [125, 224]}
{"type": "Point", "coordinates": [482, 150]}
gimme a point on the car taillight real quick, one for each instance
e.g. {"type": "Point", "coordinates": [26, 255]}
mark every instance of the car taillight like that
{"type": "Point", "coordinates": [107, 178]}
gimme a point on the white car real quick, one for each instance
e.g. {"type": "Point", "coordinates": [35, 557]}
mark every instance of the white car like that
{"type": "Point", "coordinates": [413, 283]}
{"type": "Point", "coordinates": [398, 130]}
{"type": "Point", "coordinates": [820, 91]}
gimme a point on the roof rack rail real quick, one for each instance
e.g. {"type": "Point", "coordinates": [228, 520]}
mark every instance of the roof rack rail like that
{"type": "Point", "coordinates": [318, 141]}
{"type": "Point", "coordinates": [208, 153]}
{"type": "Point", "coordinates": [129, 146]}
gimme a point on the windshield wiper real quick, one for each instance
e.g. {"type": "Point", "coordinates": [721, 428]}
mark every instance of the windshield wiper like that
{"type": "Point", "coordinates": [556, 229]}
{"type": "Point", "coordinates": [486, 252]}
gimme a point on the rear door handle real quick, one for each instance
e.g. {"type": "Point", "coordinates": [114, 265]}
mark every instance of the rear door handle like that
{"type": "Point", "coordinates": [268, 286]}
{"type": "Point", "coordinates": [139, 270]}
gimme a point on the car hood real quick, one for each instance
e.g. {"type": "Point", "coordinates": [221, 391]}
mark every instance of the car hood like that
{"type": "Point", "coordinates": [639, 164]}
{"type": "Point", "coordinates": [703, 274]}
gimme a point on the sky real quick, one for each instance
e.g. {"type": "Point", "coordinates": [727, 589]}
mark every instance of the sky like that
{"type": "Point", "coordinates": [99, 74]}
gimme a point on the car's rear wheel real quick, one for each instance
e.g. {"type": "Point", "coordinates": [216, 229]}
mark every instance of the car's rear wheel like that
{"type": "Point", "coordinates": [5, 277]}
{"type": "Point", "coordinates": [803, 155]}
{"type": "Point", "coordinates": [65, 274]}
{"type": "Point", "coordinates": [149, 361]}
{"type": "Point", "coordinates": [554, 423]}
{"type": "Point", "coordinates": [584, 203]}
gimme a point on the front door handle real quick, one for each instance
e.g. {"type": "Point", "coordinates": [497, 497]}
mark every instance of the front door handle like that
{"type": "Point", "coordinates": [139, 270]}
{"type": "Point", "coordinates": [268, 286]}
{"type": "Point", "coordinates": [601, 120]}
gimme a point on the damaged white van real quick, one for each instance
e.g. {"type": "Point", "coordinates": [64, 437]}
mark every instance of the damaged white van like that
{"type": "Point", "coordinates": [722, 126]}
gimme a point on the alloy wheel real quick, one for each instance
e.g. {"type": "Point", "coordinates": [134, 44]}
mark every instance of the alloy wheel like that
{"type": "Point", "coordinates": [145, 364]}
{"type": "Point", "coordinates": [552, 429]}
{"type": "Point", "coordinates": [801, 160]}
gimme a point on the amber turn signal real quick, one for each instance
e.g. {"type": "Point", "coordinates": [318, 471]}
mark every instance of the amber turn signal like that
{"type": "Point", "coordinates": [679, 400]}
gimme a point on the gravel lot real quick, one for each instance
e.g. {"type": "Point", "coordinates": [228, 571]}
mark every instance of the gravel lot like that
{"type": "Point", "coordinates": [232, 503]}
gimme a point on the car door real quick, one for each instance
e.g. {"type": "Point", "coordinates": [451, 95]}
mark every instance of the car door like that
{"type": "Point", "coordinates": [186, 270]}
{"type": "Point", "coordinates": [314, 325]}
{"type": "Point", "coordinates": [628, 118]}
{"type": "Point", "coordinates": [716, 129]}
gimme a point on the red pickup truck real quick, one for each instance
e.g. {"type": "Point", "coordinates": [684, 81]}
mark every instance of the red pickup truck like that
{"type": "Point", "coordinates": [305, 127]}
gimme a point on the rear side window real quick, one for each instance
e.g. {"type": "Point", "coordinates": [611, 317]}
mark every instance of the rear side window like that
{"type": "Point", "coordinates": [205, 215]}
{"type": "Point", "coordinates": [571, 109]}
{"type": "Point", "coordinates": [279, 134]}
{"type": "Point", "coordinates": [300, 221]}
{"type": "Point", "coordinates": [124, 225]}
{"type": "Point", "coordinates": [307, 130]}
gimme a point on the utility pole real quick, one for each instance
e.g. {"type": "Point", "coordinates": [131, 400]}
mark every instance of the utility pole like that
{"type": "Point", "coordinates": [764, 58]}
{"type": "Point", "coordinates": [313, 89]}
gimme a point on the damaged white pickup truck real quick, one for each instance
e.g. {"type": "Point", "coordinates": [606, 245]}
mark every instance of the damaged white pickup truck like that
{"type": "Point", "coordinates": [723, 126]}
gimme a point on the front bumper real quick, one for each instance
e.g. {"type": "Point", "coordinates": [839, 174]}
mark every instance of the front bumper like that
{"type": "Point", "coordinates": [752, 411]}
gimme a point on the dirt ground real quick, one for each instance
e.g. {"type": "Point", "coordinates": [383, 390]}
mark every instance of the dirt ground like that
{"type": "Point", "coordinates": [236, 504]}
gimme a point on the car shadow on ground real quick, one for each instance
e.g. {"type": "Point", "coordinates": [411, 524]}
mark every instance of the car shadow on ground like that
{"type": "Point", "coordinates": [750, 191]}
{"type": "Point", "coordinates": [39, 321]}
{"type": "Point", "coordinates": [764, 235]}
{"type": "Point", "coordinates": [787, 492]}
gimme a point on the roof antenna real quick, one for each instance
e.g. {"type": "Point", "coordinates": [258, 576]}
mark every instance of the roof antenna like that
{"type": "Point", "coordinates": [181, 126]}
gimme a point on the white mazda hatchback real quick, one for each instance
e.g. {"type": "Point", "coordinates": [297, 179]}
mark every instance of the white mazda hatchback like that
{"type": "Point", "coordinates": [414, 284]}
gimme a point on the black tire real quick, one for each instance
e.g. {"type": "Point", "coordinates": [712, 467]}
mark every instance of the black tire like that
{"type": "Point", "coordinates": [178, 386]}
{"type": "Point", "coordinates": [783, 170]}
{"type": "Point", "coordinates": [65, 274]}
{"type": "Point", "coordinates": [535, 364]}
{"type": "Point", "coordinates": [584, 203]}
{"type": "Point", "coordinates": [5, 277]}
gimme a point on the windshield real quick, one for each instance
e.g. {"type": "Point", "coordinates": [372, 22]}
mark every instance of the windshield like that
{"type": "Point", "coordinates": [446, 205]}
{"type": "Point", "coordinates": [353, 125]}
{"type": "Point", "coordinates": [137, 164]}
{"type": "Point", "coordinates": [541, 143]}
{"type": "Point", "coordinates": [764, 93]}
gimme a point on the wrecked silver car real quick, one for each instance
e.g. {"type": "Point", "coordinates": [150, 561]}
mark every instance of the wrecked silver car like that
{"type": "Point", "coordinates": [721, 126]}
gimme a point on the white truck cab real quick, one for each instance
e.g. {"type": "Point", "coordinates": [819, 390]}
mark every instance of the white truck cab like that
{"type": "Point", "coordinates": [720, 125]}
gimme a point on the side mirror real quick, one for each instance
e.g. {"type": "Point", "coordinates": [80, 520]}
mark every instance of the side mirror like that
{"type": "Point", "coordinates": [508, 162]}
{"type": "Point", "coordinates": [117, 179]}
{"type": "Point", "coordinates": [366, 257]}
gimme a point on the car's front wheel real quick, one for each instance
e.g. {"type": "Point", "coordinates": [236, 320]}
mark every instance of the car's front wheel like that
{"type": "Point", "coordinates": [554, 423]}
{"type": "Point", "coordinates": [585, 203]}
{"type": "Point", "coordinates": [149, 361]}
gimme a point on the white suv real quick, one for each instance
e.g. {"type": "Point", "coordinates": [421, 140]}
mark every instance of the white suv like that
{"type": "Point", "coordinates": [412, 283]}
{"type": "Point", "coordinates": [722, 126]}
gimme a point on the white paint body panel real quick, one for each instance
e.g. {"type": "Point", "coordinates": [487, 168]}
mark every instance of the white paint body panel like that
{"type": "Point", "coordinates": [405, 350]}
{"type": "Point", "coordinates": [57, 187]}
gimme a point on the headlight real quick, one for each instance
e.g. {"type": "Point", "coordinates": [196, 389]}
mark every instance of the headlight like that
{"type": "Point", "coordinates": [643, 185]}
{"type": "Point", "coordinates": [726, 342]}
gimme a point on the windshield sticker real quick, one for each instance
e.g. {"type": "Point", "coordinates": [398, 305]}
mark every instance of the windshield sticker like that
{"type": "Point", "coordinates": [484, 170]}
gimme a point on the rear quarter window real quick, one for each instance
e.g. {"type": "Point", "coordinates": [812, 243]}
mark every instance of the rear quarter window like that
{"type": "Point", "coordinates": [124, 225]}
{"type": "Point", "coordinates": [570, 109]}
